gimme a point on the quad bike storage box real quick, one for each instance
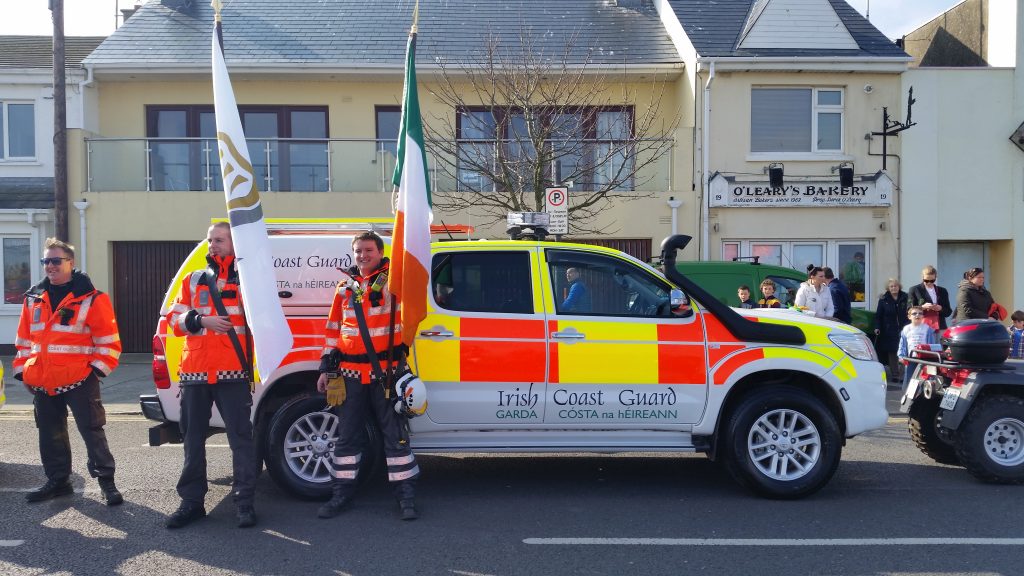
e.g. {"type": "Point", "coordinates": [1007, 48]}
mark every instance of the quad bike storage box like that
{"type": "Point", "coordinates": [977, 342]}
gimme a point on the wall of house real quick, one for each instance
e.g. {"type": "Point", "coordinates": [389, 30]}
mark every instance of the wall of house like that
{"type": "Point", "coordinates": [963, 176]}
{"type": "Point", "coordinates": [140, 215]}
{"type": "Point", "coordinates": [877, 226]}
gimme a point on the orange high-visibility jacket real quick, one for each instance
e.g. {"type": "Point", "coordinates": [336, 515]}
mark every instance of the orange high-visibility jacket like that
{"type": "Point", "coordinates": [209, 357]}
{"type": "Point", "coordinates": [60, 347]}
{"type": "Point", "coordinates": [343, 328]}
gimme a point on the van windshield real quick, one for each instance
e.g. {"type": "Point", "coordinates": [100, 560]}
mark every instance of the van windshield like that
{"type": "Point", "coordinates": [785, 289]}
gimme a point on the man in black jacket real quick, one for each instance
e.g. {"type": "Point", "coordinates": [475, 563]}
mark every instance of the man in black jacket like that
{"type": "Point", "coordinates": [934, 299]}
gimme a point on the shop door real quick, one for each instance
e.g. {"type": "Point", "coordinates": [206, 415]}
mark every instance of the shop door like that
{"type": "Point", "coordinates": [142, 273]}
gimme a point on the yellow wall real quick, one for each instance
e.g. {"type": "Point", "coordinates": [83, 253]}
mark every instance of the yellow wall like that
{"type": "Point", "coordinates": [152, 216]}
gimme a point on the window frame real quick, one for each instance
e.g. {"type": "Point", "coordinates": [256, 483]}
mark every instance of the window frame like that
{"type": "Point", "coordinates": [503, 128]}
{"type": "Point", "coordinates": [558, 260]}
{"type": "Point", "coordinates": [279, 171]}
{"type": "Point", "coordinates": [5, 131]}
{"type": "Point", "coordinates": [12, 306]}
{"type": "Point", "coordinates": [442, 264]}
{"type": "Point", "coordinates": [814, 151]}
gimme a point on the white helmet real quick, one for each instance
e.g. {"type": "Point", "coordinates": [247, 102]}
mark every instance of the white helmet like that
{"type": "Point", "coordinates": [412, 395]}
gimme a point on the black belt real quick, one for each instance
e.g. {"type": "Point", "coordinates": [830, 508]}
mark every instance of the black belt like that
{"type": "Point", "coordinates": [396, 353]}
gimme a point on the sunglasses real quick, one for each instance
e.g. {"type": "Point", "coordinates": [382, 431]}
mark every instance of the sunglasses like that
{"type": "Point", "coordinates": [929, 281]}
{"type": "Point", "coordinates": [54, 261]}
{"type": "Point", "coordinates": [916, 315]}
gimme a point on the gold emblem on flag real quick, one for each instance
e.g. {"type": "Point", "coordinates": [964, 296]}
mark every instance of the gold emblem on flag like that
{"type": "Point", "coordinates": [238, 177]}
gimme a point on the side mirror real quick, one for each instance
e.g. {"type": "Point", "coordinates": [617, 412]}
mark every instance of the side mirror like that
{"type": "Point", "coordinates": [676, 298]}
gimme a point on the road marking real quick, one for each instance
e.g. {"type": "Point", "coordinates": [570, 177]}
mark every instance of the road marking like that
{"type": "Point", "coordinates": [283, 537]}
{"type": "Point", "coordinates": [776, 541]}
{"type": "Point", "coordinates": [11, 543]}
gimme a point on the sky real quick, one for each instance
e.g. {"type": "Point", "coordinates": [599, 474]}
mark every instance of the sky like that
{"type": "Point", "coordinates": [97, 17]}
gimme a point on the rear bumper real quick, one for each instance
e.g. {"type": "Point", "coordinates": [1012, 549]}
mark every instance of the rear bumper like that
{"type": "Point", "coordinates": [165, 432]}
{"type": "Point", "coordinates": [151, 407]}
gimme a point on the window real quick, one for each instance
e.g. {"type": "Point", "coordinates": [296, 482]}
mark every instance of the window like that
{"type": "Point", "coordinates": [496, 282]}
{"type": "Point", "coordinates": [785, 289]}
{"type": "Point", "coordinates": [593, 285]}
{"type": "Point", "coordinates": [287, 146]}
{"type": "Point", "coordinates": [17, 130]}
{"type": "Point", "coordinates": [588, 146]}
{"type": "Point", "coordinates": [17, 274]}
{"type": "Point", "coordinates": [796, 120]}
{"type": "Point", "coordinates": [848, 259]}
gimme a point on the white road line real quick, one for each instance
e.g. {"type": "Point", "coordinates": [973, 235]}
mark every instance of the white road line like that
{"type": "Point", "coordinates": [11, 543]}
{"type": "Point", "coordinates": [283, 537]}
{"type": "Point", "coordinates": [33, 489]}
{"type": "Point", "coordinates": [775, 541]}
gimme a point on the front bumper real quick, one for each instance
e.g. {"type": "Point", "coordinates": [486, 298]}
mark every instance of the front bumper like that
{"type": "Point", "coordinates": [862, 396]}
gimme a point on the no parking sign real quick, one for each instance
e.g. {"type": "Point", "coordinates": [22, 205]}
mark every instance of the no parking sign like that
{"type": "Point", "coordinates": [556, 201]}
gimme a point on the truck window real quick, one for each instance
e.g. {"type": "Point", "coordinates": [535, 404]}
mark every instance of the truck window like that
{"type": "Point", "coordinates": [785, 289]}
{"type": "Point", "coordinates": [497, 282]}
{"type": "Point", "coordinates": [598, 285]}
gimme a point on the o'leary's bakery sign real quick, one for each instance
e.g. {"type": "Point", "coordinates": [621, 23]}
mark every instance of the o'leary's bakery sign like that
{"type": "Point", "coordinates": [873, 190]}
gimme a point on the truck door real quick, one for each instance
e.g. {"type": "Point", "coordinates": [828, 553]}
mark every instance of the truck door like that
{"type": "Point", "coordinates": [481, 349]}
{"type": "Point", "coordinates": [618, 353]}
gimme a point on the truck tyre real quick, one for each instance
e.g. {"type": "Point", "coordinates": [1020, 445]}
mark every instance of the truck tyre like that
{"type": "Point", "coordinates": [782, 442]}
{"type": "Point", "coordinates": [301, 444]}
{"type": "Point", "coordinates": [924, 432]}
{"type": "Point", "coordinates": [990, 441]}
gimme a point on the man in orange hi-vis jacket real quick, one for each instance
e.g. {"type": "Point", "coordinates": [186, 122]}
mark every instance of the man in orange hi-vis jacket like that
{"type": "Point", "coordinates": [67, 340]}
{"type": "Point", "coordinates": [367, 289]}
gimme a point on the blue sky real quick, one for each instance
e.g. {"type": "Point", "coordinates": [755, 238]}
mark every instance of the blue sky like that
{"type": "Point", "coordinates": [96, 17]}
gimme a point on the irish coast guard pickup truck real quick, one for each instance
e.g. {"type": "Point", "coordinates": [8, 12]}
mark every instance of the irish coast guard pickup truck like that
{"type": "Point", "coordinates": [649, 364]}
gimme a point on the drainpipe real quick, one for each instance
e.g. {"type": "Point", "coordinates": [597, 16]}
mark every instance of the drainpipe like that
{"type": "Point", "coordinates": [87, 83]}
{"type": "Point", "coordinates": [706, 167]}
{"type": "Point", "coordinates": [674, 205]}
{"type": "Point", "coordinates": [81, 205]}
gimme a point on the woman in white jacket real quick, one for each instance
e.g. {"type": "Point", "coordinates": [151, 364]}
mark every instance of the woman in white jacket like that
{"type": "Point", "coordinates": [815, 295]}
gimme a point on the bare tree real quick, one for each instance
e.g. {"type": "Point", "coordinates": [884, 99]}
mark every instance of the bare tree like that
{"type": "Point", "coordinates": [520, 119]}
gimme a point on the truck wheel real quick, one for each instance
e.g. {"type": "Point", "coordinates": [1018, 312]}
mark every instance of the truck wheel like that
{"type": "Point", "coordinates": [990, 441]}
{"type": "Point", "coordinates": [301, 444]}
{"type": "Point", "coordinates": [782, 442]}
{"type": "Point", "coordinates": [924, 432]}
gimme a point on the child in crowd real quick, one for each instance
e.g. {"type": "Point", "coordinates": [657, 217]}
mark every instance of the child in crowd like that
{"type": "Point", "coordinates": [917, 332]}
{"type": "Point", "coordinates": [744, 293]}
{"type": "Point", "coordinates": [768, 291]}
{"type": "Point", "coordinates": [1017, 335]}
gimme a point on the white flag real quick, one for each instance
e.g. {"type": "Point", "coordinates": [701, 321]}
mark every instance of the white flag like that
{"type": "Point", "coordinates": [271, 336]}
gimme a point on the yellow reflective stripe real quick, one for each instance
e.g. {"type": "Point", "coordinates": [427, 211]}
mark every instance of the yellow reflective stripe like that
{"type": "Point", "coordinates": [798, 354]}
{"type": "Point", "coordinates": [107, 352]}
{"type": "Point", "coordinates": [102, 366]}
{"type": "Point", "coordinates": [106, 339]}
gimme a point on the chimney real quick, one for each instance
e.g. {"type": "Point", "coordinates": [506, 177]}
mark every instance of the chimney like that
{"type": "Point", "coordinates": [127, 13]}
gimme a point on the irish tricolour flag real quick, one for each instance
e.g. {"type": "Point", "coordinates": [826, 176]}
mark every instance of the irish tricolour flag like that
{"type": "Point", "coordinates": [410, 248]}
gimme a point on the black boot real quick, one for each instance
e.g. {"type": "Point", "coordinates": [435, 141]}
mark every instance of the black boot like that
{"type": "Point", "coordinates": [110, 492]}
{"type": "Point", "coordinates": [246, 516]}
{"type": "Point", "coordinates": [52, 489]}
{"type": "Point", "coordinates": [340, 500]}
{"type": "Point", "coordinates": [406, 492]}
{"type": "Point", "coordinates": [186, 513]}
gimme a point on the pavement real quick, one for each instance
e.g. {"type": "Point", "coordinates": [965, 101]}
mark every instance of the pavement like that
{"type": "Point", "coordinates": [134, 376]}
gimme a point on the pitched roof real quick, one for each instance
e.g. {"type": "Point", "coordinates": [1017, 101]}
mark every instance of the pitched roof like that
{"type": "Point", "coordinates": [352, 33]}
{"type": "Point", "coordinates": [715, 27]}
{"type": "Point", "coordinates": [37, 51]}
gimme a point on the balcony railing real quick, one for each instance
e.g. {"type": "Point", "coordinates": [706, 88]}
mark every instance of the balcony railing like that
{"type": "Point", "coordinates": [281, 165]}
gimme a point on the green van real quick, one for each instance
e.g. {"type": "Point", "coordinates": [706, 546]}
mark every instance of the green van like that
{"type": "Point", "coordinates": [723, 278]}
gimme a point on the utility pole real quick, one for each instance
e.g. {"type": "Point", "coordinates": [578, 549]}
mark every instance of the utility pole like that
{"type": "Point", "coordinates": [60, 123]}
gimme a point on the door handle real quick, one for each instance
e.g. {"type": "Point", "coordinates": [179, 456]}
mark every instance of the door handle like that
{"type": "Point", "coordinates": [569, 335]}
{"type": "Point", "coordinates": [437, 333]}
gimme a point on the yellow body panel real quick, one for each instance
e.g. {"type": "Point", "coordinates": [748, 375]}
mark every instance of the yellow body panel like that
{"type": "Point", "coordinates": [612, 353]}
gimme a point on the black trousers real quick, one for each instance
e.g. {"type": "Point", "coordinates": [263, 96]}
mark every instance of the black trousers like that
{"type": "Point", "coordinates": [361, 401]}
{"type": "Point", "coordinates": [51, 414]}
{"type": "Point", "coordinates": [234, 402]}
